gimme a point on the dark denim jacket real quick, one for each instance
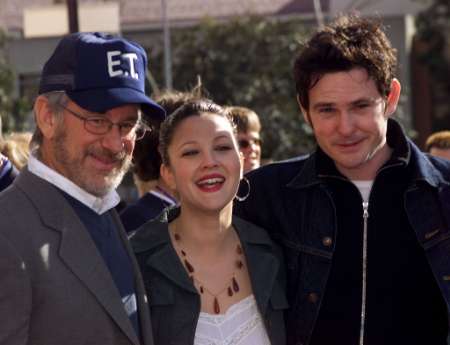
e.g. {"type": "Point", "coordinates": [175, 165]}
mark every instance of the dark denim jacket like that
{"type": "Point", "coordinates": [174, 301]}
{"type": "Point", "coordinates": [292, 200]}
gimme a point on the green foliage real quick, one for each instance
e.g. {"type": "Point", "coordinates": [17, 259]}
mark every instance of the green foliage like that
{"type": "Point", "coordinates": [433, 27]}
{"type": "Point", "coordinates": [246, 61]}
{"type": "Point", "coordinates": [13, 111]}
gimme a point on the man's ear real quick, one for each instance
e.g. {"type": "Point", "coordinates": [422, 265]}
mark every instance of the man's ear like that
{"type": "Point", "coordinates": [393, 97]}
{"type": "Point", "coordinates": [45, 119]}
{"type": "Point", "coordinates": [303, 110]}
{"type": "Point", "coordinates": [168, 177]}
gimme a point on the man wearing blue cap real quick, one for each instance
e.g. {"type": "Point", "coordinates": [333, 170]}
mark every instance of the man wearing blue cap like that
{"type": "Point", "coordinates": [67, 275]}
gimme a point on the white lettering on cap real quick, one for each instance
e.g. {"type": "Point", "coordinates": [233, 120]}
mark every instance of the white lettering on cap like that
{"type": "Point", "coordinates": [113, 62]}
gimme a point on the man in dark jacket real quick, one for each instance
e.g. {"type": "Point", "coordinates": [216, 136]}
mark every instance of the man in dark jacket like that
{"type": "Point", "coordinates": [365, 220]}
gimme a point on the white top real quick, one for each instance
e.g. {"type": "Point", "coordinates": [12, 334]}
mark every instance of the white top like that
{"type": "Point", "coordinates": [364, 188]}
{"type": "Point", "coordinates": [240, 325]}
{"type": "Point", "coordinates": [97, 204]}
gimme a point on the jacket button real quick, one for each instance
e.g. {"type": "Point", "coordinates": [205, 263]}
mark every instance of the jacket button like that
{"type": "Point", "coordinates": [313, 297]}
{"type": "Point", "coordinates": [327, 241]}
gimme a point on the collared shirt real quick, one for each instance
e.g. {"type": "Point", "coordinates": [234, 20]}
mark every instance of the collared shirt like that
{"type": "Point", "coordinates": [5, 167]}
{"type": "Point", "coordinates": [98, 204]}
{"type": "Point", "coordinates": [7, 172]}
{"type": "Point", "coordinates": [160, 193]}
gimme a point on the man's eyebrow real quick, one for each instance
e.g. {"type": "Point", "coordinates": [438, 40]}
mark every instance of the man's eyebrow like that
{"type": "Point", "coordinates": [323, 104]}
{"type": "Point", "coordinates": [364, 99]}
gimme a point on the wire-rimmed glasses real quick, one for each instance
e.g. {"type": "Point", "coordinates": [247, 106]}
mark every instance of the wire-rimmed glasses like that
{"type": "Point", "coordinates": [102, 125]}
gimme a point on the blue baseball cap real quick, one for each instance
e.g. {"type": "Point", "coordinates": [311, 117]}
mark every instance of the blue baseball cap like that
{"type": "Point", "coordinates": [99, 72]}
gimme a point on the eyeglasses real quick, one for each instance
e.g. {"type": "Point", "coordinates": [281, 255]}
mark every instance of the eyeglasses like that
{"type": "Point", "coordinates": [245, 143]}
{"type": "Point", "coordinates": [101, 125]}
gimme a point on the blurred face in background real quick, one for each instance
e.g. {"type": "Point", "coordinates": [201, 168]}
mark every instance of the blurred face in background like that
{"type": "Point", "coordinates": [443, 153]}
{"type": "Point", "coordinates": [250, 146]}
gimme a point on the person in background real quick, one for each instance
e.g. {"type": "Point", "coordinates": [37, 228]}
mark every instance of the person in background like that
{"type": "Point", "coordinates": [364, 220]}
{"type": "Point", "coordinates": [155, 194]}
{"type": "Point", "coordinates": [67, 273]}
{"type": "Point", "coordinates": [16, 148]}
{"type": "Point", "coordinates": [8, 172]}
{"type": "Point", "coordinates": [249, 135]}
{"type": "Point", "coordinates": [438, 144]}
{"type": "Point", "coordinates": [211, 278]}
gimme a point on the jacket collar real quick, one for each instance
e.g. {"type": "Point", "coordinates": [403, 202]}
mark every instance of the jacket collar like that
{"type": "Point", "coordinates": [149, 238]}
{"type": "Point", "coordinates": [405, 153]}
{"type": "Point", "coordinates": [256, 243]}
{"type": "Point", "coordinates": [263, 265]}
{"type": "Point", "coordinates": [154, 238]}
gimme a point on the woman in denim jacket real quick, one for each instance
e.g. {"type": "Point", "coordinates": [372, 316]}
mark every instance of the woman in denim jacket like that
{"type": "Point", "coordinates": [211, 278]}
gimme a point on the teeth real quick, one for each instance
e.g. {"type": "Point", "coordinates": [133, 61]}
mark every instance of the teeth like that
{"type": "Point", "coordinates": [211, 181]}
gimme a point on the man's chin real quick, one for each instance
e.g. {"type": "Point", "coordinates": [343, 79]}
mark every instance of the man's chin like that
{"type": "Point", "coordinates": [102, 183]}
{"type": "Point", "coordinates": [99, 191]}
{"type": "Point", "coordinates": [103, 187]}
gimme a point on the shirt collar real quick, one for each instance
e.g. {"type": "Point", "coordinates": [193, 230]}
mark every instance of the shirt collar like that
{"type": "Point", "coordinates": [160, 193]}
{"type": "Point", "coordinates": [5, 167]}
{"type": "Point", "coordinates": [98, 204]}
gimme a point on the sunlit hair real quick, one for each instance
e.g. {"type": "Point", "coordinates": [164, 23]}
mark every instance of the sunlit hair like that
{"type": "Point", "coordinates": [16, 147]}
{"type": "Point", "coordinates": [55, 98]}
{"type": "Point", "coordinates": [194, 108]}
{"type": "Point", "coordinates": [349, 42]}
{"type": "Point", "coordinates": [438, 140]}
{"type": "Point", "coordinates": [245, 119]}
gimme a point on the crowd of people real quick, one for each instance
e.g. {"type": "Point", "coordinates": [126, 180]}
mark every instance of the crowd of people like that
{"type": "Point", "coordinates": [347, 245]}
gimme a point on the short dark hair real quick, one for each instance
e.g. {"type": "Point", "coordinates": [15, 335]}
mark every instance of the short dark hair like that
{"type": "Point", "coordinates": [171, 123]}
{"type": "Point", "coordinates": [439, 140]}
{"type": "Point", "coordinates": [349, 42]}
{"type": "Point", "coordinates": [146, 157]}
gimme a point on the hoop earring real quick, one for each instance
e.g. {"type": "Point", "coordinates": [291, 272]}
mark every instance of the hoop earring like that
{"type": "Point", "coordinates": [243, 198]}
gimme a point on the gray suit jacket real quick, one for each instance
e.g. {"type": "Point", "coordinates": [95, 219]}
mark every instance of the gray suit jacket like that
{"type": "Point", "coordinates": [55, 288]}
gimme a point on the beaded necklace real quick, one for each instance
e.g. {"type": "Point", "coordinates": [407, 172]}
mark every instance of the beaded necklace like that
{"type": "Point", "coordinates": [232, 285]}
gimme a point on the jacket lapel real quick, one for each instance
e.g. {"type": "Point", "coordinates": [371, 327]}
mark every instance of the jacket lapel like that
{"type": "Point", "coordinates": [77, 250]}
{"type": "Point", "coordinates": [143, 307]}
{"type": "Point", "coordinates": [164, 259]}
{"type": "Point", "coordinates": [263, 266]}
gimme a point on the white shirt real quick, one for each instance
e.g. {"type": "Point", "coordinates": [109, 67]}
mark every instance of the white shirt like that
{"type": "Point", "coordinates": [364, 188]}
{"type": "Point", "coordinates": [240, 325]}
{"type": "Point", "coordinates": [98, 204]}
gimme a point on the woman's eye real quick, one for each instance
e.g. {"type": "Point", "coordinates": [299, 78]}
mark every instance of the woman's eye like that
{"type": "Point", "coordinates": [223, 147]}
{"type": "Point", "coordinates": [189, 153]}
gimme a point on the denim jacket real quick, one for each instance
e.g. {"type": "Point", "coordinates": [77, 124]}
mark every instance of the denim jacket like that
{"type": "Point", "coordinates": [291, 198]}
{"type": "Point", "coordinates": [173, 299]}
